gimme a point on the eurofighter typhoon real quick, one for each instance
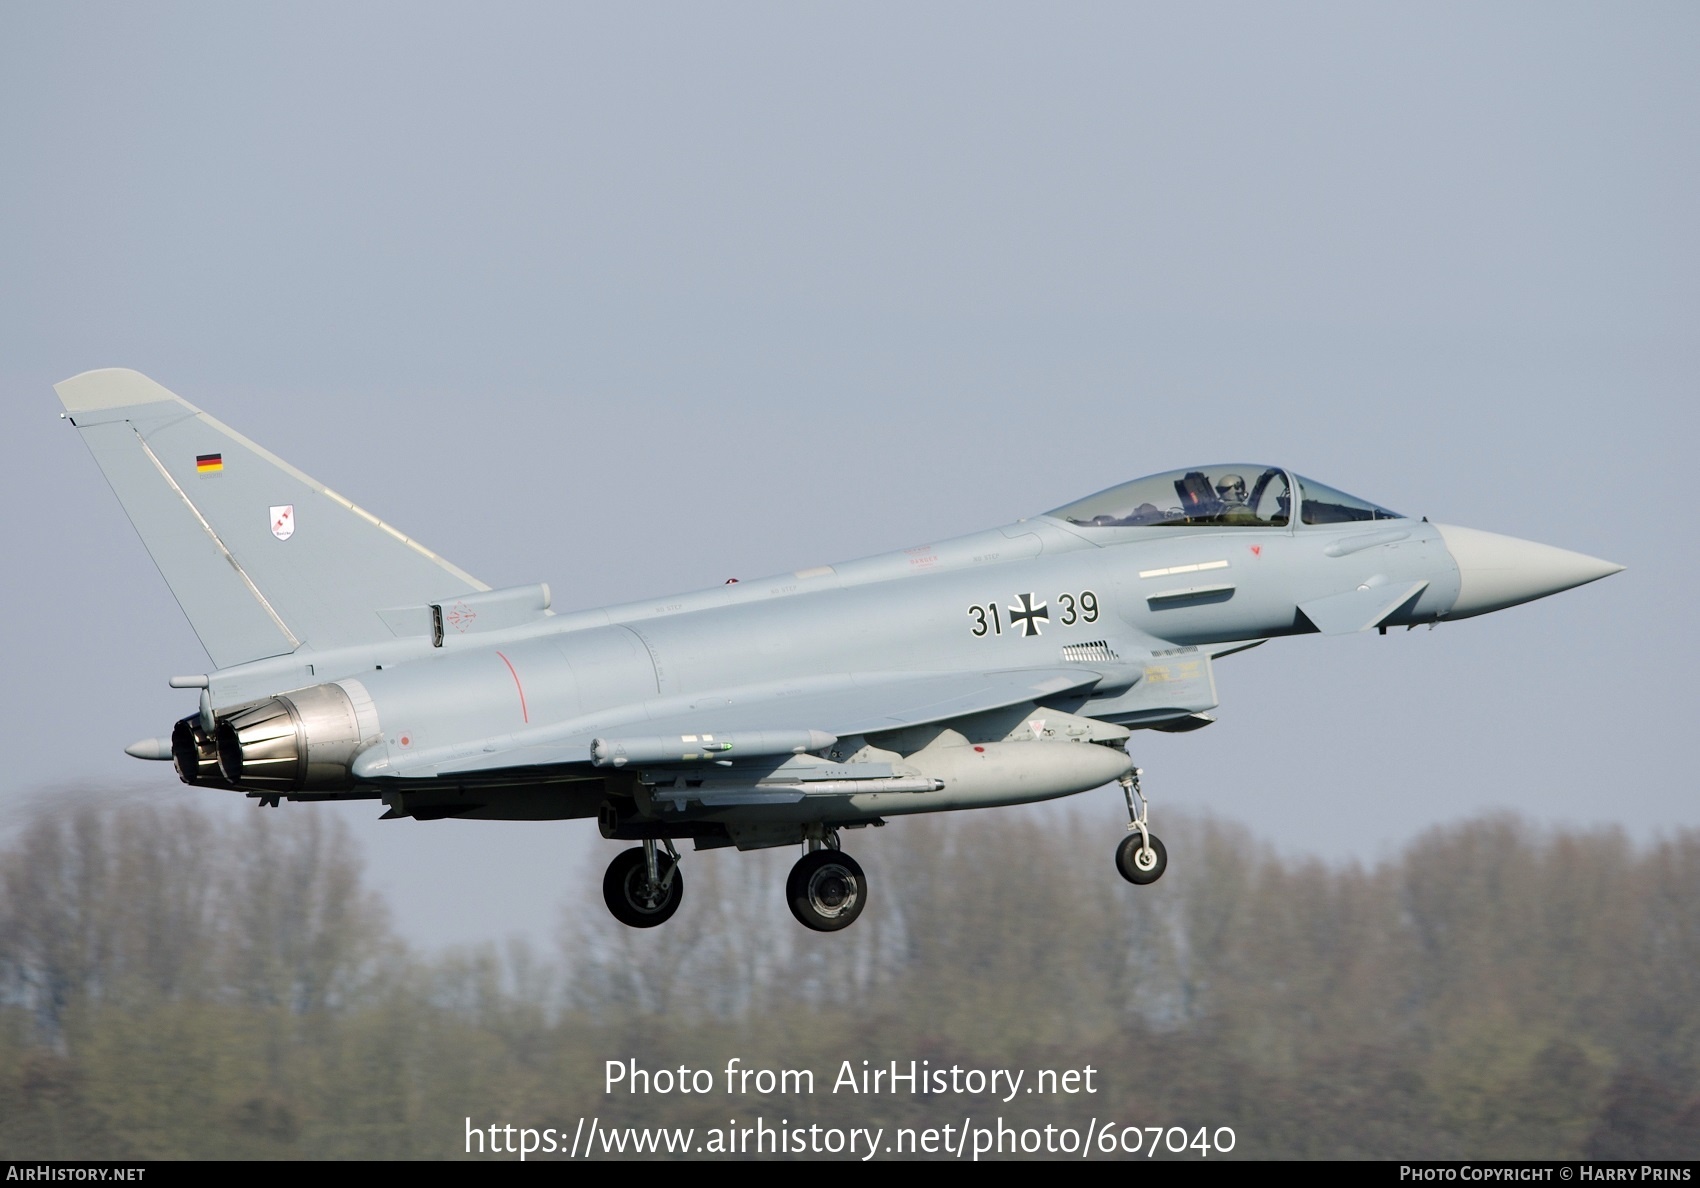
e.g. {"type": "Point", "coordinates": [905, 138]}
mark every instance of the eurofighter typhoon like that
{"type": "Point", "coordinates": [349, 662]}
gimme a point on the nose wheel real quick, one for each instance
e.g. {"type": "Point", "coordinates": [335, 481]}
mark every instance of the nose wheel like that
{"type": "Point", "coordinates": [826, 890]}
{"type": "Point", "coordinates": [1140, 857]}
{"type": "Point", "coordinates": [643, 887]}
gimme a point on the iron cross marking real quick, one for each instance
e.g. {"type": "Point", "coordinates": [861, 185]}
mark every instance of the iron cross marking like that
{"type": "Point", "coordinates": [1029, 616]}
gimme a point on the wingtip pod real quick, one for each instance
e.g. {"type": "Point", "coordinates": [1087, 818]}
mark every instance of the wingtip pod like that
{"type": "Point", "coordinates": [112, 387]}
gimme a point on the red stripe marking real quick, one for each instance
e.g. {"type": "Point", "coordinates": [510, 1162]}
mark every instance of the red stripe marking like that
{"type": "Point", "coordinates": [522, 710]}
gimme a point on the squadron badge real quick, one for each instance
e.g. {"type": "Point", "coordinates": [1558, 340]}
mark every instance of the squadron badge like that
{"type": "Point", "coordinates": [283, 521]}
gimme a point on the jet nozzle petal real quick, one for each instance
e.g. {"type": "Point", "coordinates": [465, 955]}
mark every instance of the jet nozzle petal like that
{"type": "Point", "coordinates": [1500, 571]}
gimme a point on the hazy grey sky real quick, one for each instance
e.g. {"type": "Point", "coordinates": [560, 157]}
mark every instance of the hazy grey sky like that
{"type": "Point", "coordinates": [637, 298]}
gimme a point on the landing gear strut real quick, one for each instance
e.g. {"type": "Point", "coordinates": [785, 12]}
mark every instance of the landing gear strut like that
{"type": "Point", "coordinates": [826, 890]}
{"type": "Point", "coordinates": [1140, 857]}
{"type": "Point", "coordinates": [643, 888]}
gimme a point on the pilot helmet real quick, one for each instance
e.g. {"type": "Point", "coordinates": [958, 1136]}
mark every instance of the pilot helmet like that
{"type": "Point", "coordinates": [1230, 488]}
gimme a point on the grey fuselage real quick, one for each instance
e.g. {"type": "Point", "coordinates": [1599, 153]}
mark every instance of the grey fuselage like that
{"type": "Point", "coordinates": [1147, 599]}
{"type": "Point", "coordinates": [1010, 665]}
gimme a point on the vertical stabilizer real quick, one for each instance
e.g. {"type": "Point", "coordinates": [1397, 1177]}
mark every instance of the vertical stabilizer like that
{"type": "Point", "coordinates": [262, 559]}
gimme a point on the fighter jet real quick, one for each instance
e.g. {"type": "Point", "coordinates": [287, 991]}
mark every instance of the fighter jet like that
{"type": "Point", "coordinates": [349, 662]}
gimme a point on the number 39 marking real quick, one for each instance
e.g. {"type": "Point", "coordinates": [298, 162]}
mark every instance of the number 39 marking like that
{"type": "Point", "coordinates": [1087, 611]}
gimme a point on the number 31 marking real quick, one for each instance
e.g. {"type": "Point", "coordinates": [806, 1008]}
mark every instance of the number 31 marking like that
{"type": "Point", "coordinates": [1076, 608]}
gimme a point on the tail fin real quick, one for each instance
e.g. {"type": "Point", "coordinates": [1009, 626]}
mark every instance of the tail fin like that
{"type": "Point", "coordinates": [262, 559]}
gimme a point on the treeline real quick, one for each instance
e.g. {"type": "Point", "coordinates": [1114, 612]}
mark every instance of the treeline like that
{"type": "Point", "coordinates": [173, 985]}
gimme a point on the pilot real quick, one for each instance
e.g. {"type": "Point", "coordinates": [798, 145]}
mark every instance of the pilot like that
{"type": "Point", "coordinates": [1231, 494]}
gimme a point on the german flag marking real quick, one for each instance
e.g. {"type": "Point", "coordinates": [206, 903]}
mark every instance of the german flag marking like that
{"type": "Point", "coordinates": [209, 463]}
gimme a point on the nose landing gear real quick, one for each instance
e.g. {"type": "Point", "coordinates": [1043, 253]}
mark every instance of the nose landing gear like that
{"type": "Point", "coordinates": [1140, 857]}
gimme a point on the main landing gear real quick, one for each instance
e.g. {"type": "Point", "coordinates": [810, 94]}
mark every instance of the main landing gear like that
{"type": "Point", "coordinates": [826, 890]}
{"type": "Point", "coordinates": [643, 888]}
{"type": "Point", "coordinates": [1140, 857]}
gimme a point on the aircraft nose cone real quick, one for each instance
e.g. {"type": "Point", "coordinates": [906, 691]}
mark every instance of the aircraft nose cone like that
{"type": "Point", "coordinates": [1500, 571]}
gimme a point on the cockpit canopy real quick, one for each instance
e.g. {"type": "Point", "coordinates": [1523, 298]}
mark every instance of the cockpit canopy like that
{"type": "Point", "coordinates": [1236, 495]}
